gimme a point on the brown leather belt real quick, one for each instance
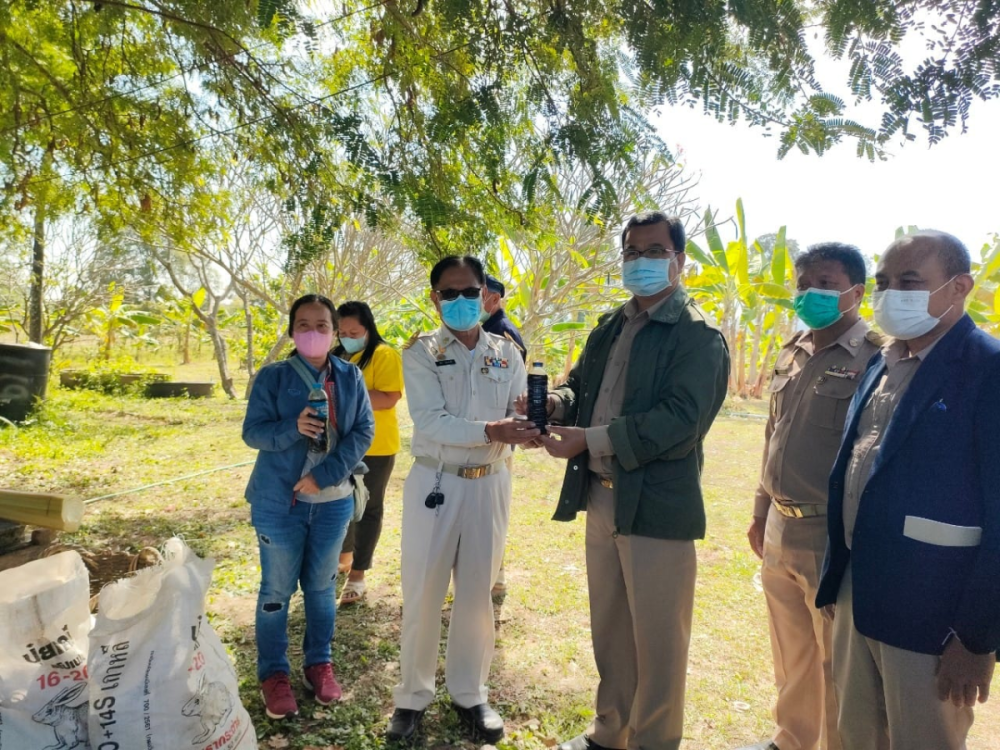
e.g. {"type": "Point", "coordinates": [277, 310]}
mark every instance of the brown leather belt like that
{"type": "Point", "coordinates": [802, 510]}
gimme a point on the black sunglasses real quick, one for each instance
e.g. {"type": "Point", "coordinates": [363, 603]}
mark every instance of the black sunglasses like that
{"type": "Point", "coordinates": [470, 292]}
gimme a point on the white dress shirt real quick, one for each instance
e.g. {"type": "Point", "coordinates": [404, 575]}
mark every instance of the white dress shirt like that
{"type": "Point", "coordinates": [453, 392]}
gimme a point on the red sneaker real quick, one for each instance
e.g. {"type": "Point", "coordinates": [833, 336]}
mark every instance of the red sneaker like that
{"type": "Point", "coordinates": [320, 680]}
{"type": "Point", "coordinates": [279, 700]}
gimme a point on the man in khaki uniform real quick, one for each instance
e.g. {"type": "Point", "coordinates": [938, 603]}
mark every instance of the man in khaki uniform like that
{"type": "Point", "coordinates": [815, 376]}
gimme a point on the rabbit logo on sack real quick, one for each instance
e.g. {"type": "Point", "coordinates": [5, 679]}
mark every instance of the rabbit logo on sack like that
{"type": "Point", "coordinates": [212, 704]}
{"type": "Point", "coordinates": [45, 651]}
{"type": "Point", "coordinates": [66, 713]}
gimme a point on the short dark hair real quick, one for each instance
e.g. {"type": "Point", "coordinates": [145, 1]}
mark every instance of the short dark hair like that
{"type": "Point", "coordinates": [649, 218]}
{"type": "Point", "coordinates": [952, 252]}
{"type": "Point", "coordinates": [848, 256]}
{"type": "Point", "coordinates": [456, 261]}
{"type": "Point", "coordinates": [365, 316]}
{"type": "Point", "coordinates": [309, 299]}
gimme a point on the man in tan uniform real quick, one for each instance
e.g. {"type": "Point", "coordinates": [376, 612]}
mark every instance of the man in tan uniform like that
{"type": "Point", "coordinates": [815, 376]}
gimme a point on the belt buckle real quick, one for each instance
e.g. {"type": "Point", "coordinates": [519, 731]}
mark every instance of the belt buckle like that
{"type": "Point", "coordinates": [788, 511]}
{"type": "Point", "coordinates": [472, 472]}
{"type": "Point", "coordinates": [607, 483]}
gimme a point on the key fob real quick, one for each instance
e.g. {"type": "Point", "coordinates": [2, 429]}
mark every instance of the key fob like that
{"type": "Point", "coordinates": [434, 500]}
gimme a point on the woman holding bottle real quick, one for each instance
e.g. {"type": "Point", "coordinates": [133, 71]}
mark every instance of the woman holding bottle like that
{"type": "Point", "coordinates": [301, 497]}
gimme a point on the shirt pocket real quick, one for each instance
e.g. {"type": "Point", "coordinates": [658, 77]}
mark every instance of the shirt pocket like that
{"type": "Point", "coordinates": [496, 387]}
{"type": "Point", "coordinates": [828, 402]}
{"type": "Point", "coordinates": [941, 534]}
{"type": "Point", "coordinates": [777, 391]}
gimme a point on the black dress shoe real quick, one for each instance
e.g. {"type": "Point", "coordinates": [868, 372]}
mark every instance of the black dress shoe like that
{"type": "Point", "coordinates": [582, 742]}
{"type": "Point", "coordinates": [404, 726]}
{"type": "Point", "coordinates": [484, 723]}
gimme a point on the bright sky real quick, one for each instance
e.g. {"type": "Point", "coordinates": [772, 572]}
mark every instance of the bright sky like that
{"type": "Point", "coordinates": [953, 186]}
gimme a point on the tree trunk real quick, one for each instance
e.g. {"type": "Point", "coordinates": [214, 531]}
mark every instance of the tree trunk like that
{"type": "Point", "coordinates": [219, 345]}
{"type": "Point", "coordinates": [186, 355]}
{"type": "Point", "coordinates": [758, 387]}
{"type": "Point", "coordinates": [741, 371]}
{"type": "Point", "coordinates": [35, 311]}
{"type": "Point", "coordinates": [109, 340]}
{"type": "Point", "coordinates": [248, 315]}
{"type": "Point", "coordinates": [568, 364]}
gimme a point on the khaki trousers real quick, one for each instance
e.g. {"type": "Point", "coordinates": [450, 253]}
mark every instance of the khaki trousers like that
{"type": "Point", "coordinates": [641, 603]}
{"type": "Point", "coordinates": [463, 540]}
{"type": "Point", "coordinates": [805, 713]}
{"type": "Point", "coordinates": [888, 696]}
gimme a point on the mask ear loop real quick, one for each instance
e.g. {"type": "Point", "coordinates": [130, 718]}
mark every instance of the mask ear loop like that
{"type": "Point", "coordinates": [847, 291]}
{"type": "Point", "coordinates": [950, 307]}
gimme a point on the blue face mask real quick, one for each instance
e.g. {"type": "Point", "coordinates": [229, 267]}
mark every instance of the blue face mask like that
{"type": "Point", "coordinates": [353, 346]}
{"type": "Point", "coordinates": [645, 277]}
{"type": "Point", "coordinates": [461, 314]}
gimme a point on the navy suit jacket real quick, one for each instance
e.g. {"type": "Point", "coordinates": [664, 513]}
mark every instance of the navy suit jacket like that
{"type": "Point", "coordinates": [916, 577]}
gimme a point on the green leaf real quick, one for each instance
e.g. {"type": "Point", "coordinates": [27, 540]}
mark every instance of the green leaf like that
{"type": "Point", "coordinates": [144, 319]}
{"type": "Point", "coordinates": [715, 242]}
{"type": "Point", "coordinates": [736, 257]}
{"type": "Point", "coordinates": [779, 258]}
{"type": "Point", "coordinates": [198, 298]}
{"type": "Point", "coordinates": [990, 264]}
{"type": "Point", "coordinates": [774, 291]}
{"type": "Point", "coordinates": [741, 221]}
{"type": "Point", "coordinates": [698, 254]}
{"type": "Point", "coordinates": [569, 326]}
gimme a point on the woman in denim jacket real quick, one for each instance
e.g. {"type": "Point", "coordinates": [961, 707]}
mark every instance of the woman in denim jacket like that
{"type": "Point", "coordinates": [301, 499]}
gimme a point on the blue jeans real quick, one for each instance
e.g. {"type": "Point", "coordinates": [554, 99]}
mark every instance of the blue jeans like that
{"type": "Point", "coordinates": [298, 545]}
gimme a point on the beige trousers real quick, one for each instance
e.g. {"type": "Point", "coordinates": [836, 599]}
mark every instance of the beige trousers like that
{"type": "Point", "coordinates": [641, 603]}
{"type": "Point", "coordinates": [888, 696]}
{"type": "Point", "coordinates": [805, 713]}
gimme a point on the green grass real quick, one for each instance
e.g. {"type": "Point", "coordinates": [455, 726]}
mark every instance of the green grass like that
{"type": "Point", "coordinates": [543, 674]}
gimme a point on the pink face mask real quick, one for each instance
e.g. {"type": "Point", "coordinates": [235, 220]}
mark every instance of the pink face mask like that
{"type": "Point", "coordinates": [312, 343]}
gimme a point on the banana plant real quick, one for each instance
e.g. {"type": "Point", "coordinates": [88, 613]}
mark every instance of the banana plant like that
{"type": "Point", "coordinates": [104, 322]}
{"type": "Point", "coordinates": [746, 285]}
{"type": "Point", "coordinates": [984, 302]}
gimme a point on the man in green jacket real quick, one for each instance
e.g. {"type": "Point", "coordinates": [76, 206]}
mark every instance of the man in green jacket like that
{"type": "Point", "coordinates": [636, 409]}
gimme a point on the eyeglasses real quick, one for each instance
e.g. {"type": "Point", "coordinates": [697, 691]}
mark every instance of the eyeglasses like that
{"type": "Point", "coordinates": [450, 294]}
{"type": "Point", "coordinates": [656, 252]}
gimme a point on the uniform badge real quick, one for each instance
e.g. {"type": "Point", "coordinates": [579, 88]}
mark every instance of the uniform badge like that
{"type": "Point", "coordinates": [842, 373]}
{"type": "Point", "coordinates": [498, 362]}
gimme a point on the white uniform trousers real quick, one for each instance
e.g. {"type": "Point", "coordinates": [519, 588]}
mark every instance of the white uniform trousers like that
{"type": "Point", "coordinates": [463, 537]}
{"type": "Point", "coordinates": [888, 695]}
{"type": "Point", "coordinates": [806, 709]}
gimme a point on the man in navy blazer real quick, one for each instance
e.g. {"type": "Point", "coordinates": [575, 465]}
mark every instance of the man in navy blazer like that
{"type": "Point", "coordinates": [913, 559]}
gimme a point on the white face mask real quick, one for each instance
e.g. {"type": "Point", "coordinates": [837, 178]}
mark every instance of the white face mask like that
{"type": "Point", "coordinates": [903, 314]}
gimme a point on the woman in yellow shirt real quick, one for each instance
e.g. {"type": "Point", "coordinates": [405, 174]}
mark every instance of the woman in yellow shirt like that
{"type": "Point", "coordinates": [382, 367]}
